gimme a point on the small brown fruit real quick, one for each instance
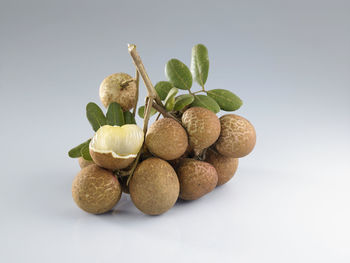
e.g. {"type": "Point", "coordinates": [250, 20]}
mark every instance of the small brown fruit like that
{"type": "Point", "coordinates": [96, 190]}
{"type": "Point", "coordinates": [237, 138]}
{"type": "Point", "coordinates": [154, 187]}
{"type": "Point", "coordinates": [83, 163]}
{"type": "Point", "coordinates": [196, 178]}
{"type": "Point", "coordinates": [203, 127]}
{"type": "Point", "coordinates": [167, 139]}
{"type": "Point", "coordinates": [226, 167]}
{"type": "Point", "coordinates": [120, 88]}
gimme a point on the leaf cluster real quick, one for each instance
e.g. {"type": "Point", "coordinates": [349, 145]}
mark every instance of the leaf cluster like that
{"type": "Point", "coordinates": [180, 77]}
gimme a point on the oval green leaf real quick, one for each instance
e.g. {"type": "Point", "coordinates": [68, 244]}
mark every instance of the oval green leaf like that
{"type": "Point", "coordinates": [76, 151]}
{"type": "Point", "coordinates": [115, 115]}
{"type": "Point", "coordinates": [200, 64]}
{"type": "Point", "coordinates": [205, 102]}
{"type": "Point", "coordinates": [141, 111]}
{"type": "Point", "coordinates": [178, 74]}
{"type": "Point", "coordinates": [170, 99]}
{"type": "Point", "coordinates": [95, 116]}
{"type": "Point", "coordinates": [85, 152]}
{"type": "Point", "coordinates": [129, 118]}
{"type": "Point", "coordinates": [227, 100]}
{"type": "Point", "coordinates": [182, 101]}
{"type": "Point", "coordinates": [163, 88]}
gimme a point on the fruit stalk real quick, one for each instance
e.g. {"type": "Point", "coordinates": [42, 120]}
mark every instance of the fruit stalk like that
{"type": "Point", "coordinates": [137, 80]}
{"type": "Point", "coordinates": [141, 69]}
{"type": "Point", "coordinates": [164, 112]}
{"type": "Point", "coordinates": [148, 107]}
{"type": "Point", "coordinates": [152, 95]}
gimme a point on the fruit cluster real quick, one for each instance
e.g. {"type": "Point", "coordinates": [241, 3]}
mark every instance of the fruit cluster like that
{"type": "Point", "coordinates": [185, 154]}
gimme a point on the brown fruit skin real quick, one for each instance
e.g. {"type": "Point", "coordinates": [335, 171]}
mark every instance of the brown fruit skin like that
{"type": "Point", "coordinates": [154, 187]}
{"type": "Point", "coordinates": [197, 178]}
{"type": "Point", "coordinates": [237, 138]}
{"type": "Point", "coordinates": [107, 161]}
{"type": "Point", "coordinates": [83, 163]}
{"type": "Point", "coordinates": [225, 167]}
{"type": "Point", "coordinates": [112, 91]}
{"type": "Point", "coordinates": [203, 127]}
{"type": "Point", "coordinates": [167, 139]}
{"type": "Point", "coordinates": [96, 190]}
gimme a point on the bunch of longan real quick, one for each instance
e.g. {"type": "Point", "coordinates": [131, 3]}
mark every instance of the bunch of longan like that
{"type": "Point", "coordinates": [185, 154]}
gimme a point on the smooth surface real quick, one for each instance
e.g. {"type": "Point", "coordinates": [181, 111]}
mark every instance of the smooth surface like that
{"type": "Point", "coordinates": [289, 61]}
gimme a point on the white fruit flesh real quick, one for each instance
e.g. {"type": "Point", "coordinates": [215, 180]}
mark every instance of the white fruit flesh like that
{"type": "Point", "coordinates": [122, 142]}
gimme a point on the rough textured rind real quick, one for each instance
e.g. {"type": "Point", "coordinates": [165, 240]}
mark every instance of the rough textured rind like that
{"type": "Point", "coordinates": [106, 160]}
{"type": "Point", "coordinates": [203, 127]}
{"type": "Point", "coordinates": [154, 187]}
{"type": "Point", "coordinates": [225, 167]}
{"type": "Point", "coordinates": [237, 138]}
{"type": "Point", "coordinates": [112, 91]}
{"type": "Point", "coordinates": [196, 178]}
{"type": "Point", "coordinates": [167, 139]}
{"type": "Point", "coordinates": [83, 163]}
{"type": "Point", "coordinates": [96, 190]}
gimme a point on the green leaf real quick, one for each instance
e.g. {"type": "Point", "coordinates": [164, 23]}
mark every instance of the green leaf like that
{"type": "Point", "coordinates": [200, 64]}
{"type": "Point", "coordinates": [115, 115]}
{"type": "Point", "coordinates": [170, 99]}
{"type": "Point", "coordinates": [75, 152]}
{"type": "Point", "coordinates": [129, 118]}
{"type": "Point", "coordinates": [95, 116]}
{"type": "Point", "coordinates": [85, 153]}
{"type": "Point", "coordinates": [141, 111]}
{"type": "Point", "coordinates": [178, 74]}
{"type": "Point", "coordinates": [163, 88]}
{"type": "Point", "coordinates": [205, 102]}
{"type": "Point", "coordinates": [182, 101]}
{"type": "Point", "coordinates": [227, 100]}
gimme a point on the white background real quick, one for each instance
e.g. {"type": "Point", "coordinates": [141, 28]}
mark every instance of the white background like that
{"type": "Point", "coordinates": [288, 60]}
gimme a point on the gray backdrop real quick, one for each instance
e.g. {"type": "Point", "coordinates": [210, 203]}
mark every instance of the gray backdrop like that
{"type": "Point", "coordinates": [288, 60]}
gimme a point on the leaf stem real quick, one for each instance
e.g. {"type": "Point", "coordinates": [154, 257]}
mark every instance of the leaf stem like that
{"type": "Point", "coordinates": [198, 92]}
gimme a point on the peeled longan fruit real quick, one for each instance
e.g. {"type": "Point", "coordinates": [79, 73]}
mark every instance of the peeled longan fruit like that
{"type": "Point", "coordinates": [154, 187]}
{"type": "Point", "coordinates": [114, 147]}
{"type": "Point", "coordinates": [96, 190]}
{"type": "Point", "coordinates": [237, 137]}
{"type": "Point", "coordinates": [225, 167]}
{"type": "Point", "coordinates": [203, 127]}
{"type": "Point", "coordinates": [197, 178]}
{"type": "Point", "coordinates": [83, 163]}
{"type": "Point", "coordinates": [116, 88]}
{"type": "Point", "coordinates": [167, 139]}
